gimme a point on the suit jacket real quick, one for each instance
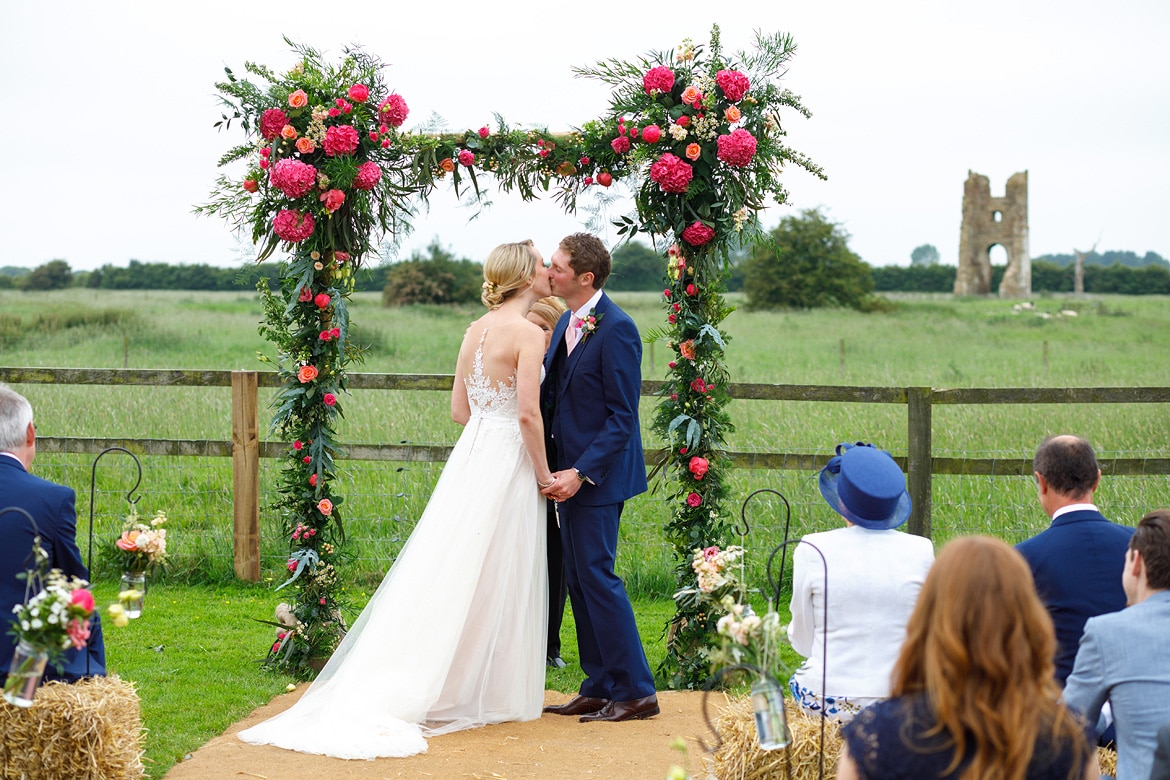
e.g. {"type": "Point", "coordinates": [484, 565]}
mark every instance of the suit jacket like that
{"type": "Point", "coordinates": [52, 506]}
{"type": "Point", "coordinates": [1076, 563]}
{"type": "Point", "coordinates": [591, 397]}
{"type": "Point", "coordinates": [1125, 657]}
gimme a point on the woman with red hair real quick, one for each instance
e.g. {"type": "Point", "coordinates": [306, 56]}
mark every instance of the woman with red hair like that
{"type": "Point", "coordinates": [973, 694]}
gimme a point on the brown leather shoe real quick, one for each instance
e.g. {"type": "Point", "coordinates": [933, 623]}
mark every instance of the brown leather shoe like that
{"type": "Point", "coordinates": [646, 707]}
{"type": "Point", "coordinates": [578, 705]}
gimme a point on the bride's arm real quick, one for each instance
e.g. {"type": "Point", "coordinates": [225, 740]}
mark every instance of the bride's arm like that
{"type": "Point", "coordinates": [529, 359]}
{"type": "Point", "coordinates": [460, 406]}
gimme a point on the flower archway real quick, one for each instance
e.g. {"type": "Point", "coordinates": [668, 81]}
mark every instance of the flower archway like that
{"type": "Point", "coordinates": [697, 135]}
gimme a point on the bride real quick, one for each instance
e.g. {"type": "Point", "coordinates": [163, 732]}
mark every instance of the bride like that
{"type": "Point", "coordinates": [454, 636]}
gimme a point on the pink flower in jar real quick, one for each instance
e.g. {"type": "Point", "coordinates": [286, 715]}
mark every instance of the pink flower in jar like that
{"type": "Point", "coordinates": [737, 148]}
{"type": "Point", "coordinates": [293, 226]}
{"type": "Point", "coordinates": [78, 631]}
{"type": "Point", "coordinates": [466, 158]}
{"type": "Point", "coordinates": [359, 93]}
{"type": "Point", "coordinates": [332, 199]}
{"type": "Point", "coordinates": [368, 176]}
{"type": "Point", "coordinates": [342, 139]}
{"type": "Point", "coordinates": [82, 598]}
{"type": "Point", "coordinates": [658, 79]}
{"type": "Point", "coordinates": [271, 121]}
{"type": "Point", "coordinates": [694, 500]}
{"type": "Point", "coordinates": [393, 110]}
{"type": "Point", "coordinates": [325, 507]}
{"type": "Point", "coordinates": [733, 83]}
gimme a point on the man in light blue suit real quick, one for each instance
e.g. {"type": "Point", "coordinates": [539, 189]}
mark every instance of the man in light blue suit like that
{"type": "Point", "coordinates": [593, 380]}
{"type": "Point", "coordinates": [1124, 657]}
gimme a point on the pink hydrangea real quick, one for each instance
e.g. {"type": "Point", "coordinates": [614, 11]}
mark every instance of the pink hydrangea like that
{"type": "Point", "coordinates": [293, 226]}
{"type": "Point", "coordinates": [659, 79]}
{"type": "Point", "coordinates": [393, 110]}
{"type": "Point", "coordinates": [671, 173]}
{"type": "Point", "coordinates": [697, 234]}
{"type": "Point", "coordinates": [368, 176]}
{"type": "Point", "coordinates": [621, 144]}
{"type": "Point", "coordinates": [293, 177]}
{"type": "Point", "coordinates": [271, 122]}
{"type": "Point", "coordinates": [342, 139]}
{"type": "Point", "coordinates": [733, 83]}
{"type": "Point", "coordinates": [736, 148]}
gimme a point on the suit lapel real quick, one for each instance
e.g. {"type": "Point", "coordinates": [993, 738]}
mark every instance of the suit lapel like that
{"type": "Point", "coordinates": [574, 357]}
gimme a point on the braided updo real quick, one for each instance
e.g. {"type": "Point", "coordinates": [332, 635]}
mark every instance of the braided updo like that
{"type": "Point", "coordinates": [507, 269]}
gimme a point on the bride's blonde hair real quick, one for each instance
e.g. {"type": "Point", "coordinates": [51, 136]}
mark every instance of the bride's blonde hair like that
{"type": "Point", "coordinates": [507, 269]}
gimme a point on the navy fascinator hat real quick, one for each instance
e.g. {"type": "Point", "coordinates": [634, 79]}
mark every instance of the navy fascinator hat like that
{"type": "Point", "coordinates": [865, 486]}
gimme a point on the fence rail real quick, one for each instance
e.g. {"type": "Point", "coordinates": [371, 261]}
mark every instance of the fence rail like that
{"type": "Point", "coordinates": [245, 447]}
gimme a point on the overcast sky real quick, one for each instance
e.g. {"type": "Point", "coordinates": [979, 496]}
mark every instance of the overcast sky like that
{"type": "Point", "coordinates": [109, 142]}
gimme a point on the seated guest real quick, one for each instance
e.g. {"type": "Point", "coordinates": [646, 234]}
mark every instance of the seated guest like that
{"type": "Point", "coordinates": [973, 691]}
{"type": "Point", "coordinates": [52, 506]}
{"type": "Point", "coordinates": [1124, 657]}
{"type": "Point", "coordinates": [874, 574]}
{"type": "Point", "coordinates": [1074, 561]}
{"type": "Point", "coordinates": [545, 313]}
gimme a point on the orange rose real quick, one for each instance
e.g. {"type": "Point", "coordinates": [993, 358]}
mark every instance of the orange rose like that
{"type": "Point", "coordinates": [307, 374]}
{"type": "Point", "coordinates": [447, 164]}
{"type": "Point", "coordinates": [298, 99]}
{"type": "Point", "coordinates": [288, 132]}
{"type": "Point", "coordinates": [691, 95]}
{"type": "Point", "coordinates": [693, 151]}
{"type": "Point", "coordinates": [305, 145]}
{"type": "Point", "coordinates": [732, 114]}
{"type": "Point", "coordinates": [325, 507]}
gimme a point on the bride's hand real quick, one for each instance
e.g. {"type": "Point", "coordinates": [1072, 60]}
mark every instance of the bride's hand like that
{"type": "Point", "coordinates": [546, 482]}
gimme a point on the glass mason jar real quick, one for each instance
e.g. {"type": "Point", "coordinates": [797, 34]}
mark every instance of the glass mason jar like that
{"type": "Point", "coordinates": [768, 705]}
{"type": "Point", "coordinates": [133, 593]}
{"type": "Point", "coordinates": [24, 675]}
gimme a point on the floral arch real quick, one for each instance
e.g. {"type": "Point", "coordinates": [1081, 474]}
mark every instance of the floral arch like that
{"type": "Point", "coordinates": [696, 133]}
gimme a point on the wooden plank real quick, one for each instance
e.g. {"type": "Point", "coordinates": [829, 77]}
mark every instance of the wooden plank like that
{"type": "Point", "coordinates": [245, 476]}
{"type": "Point", "coordinates": [918, 478]}
{"type": "Point", "coordinates": [1052, 395]}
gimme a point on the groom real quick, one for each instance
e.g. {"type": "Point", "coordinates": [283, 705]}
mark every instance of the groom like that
{"type": "Point", "coordinates": [590, 394]}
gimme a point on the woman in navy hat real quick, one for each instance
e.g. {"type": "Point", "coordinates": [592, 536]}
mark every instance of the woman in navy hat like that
{"type": "Point", "coordinates": [874, 575]}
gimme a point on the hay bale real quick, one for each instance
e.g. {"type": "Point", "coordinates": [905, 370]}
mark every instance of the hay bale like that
{"type": "Point", "coordinates": [90, 730]}
{"type": "Point", "coordinates": [740, 756]}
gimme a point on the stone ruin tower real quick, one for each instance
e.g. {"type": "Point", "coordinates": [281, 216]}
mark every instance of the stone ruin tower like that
{"type": "Point", "coordinates": [988, 221]}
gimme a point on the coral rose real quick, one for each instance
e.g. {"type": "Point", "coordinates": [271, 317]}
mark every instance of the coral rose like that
{"type": "Point", "coordinates": [447, 164]}
{"type": "Point", "coordinates": [737, 148]}
{"type": "Point", "coordinates": [368, 176]}
{"type": "Point", "coordinates": [393, 110]}
{"type": "Point", "coordinates": [288, 132]}
{"type": "Point", "coordinates": [651, 134]}
{"type": "Point", "coordinates": [466, 158]}
{"type": "Point", "coordinates": [250, 185]}
{"type": "Point", "coordinates": [305, 145]}
{"type": "Point", "coordinates": [307, 373]}
{"type": "Point", "coordinates": [698, 466]}
{"type": "Point", "coordinates": [659, 79]}
{"type": "Point", "coordinates": [694, 151]}
{"type": "Point", "coordinates": [271, 121]}
{"type": "Point", "coordinates": [671, 173]}
{"type": "Point", "coordinates": [293, 226]}
{"type": "Point", "coordinates": [692, 96]}
{"type": "Point", "coordinates": [733, 83]}
{"type": "Point", "coordinates": [342, 139]}
{"type": "Point", "coordinates": [687, 349]}
{"type": "Point", "coordinates": [293, 177]}
{"type": "Point", "coordinates": [621, 144]}
{"type": "Point", "coordinates": [325, 507]}
{"type": "Point", "coordinates": [697, 234]}
{"type": "Point", "coordinates": [298, 99]}
{"type": "Point", "coordinates": [732, 114]}
{"type": "Point", "coordinates": [359, 93]}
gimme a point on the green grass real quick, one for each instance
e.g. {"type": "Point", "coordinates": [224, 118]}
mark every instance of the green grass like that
{"type": "Point", "coordinates": [205, 676]}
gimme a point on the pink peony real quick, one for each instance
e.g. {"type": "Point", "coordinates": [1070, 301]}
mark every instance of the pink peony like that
{"type": "Point", "coordinates": [466, 158]}
{"type": "Point", "coordinates": [651, 134]}
{"type": "Point", "coordinates": [330, 399]}
{"type": "Point", "coordinates": [484, 132]}
{"type": "Point", "coordinates": [359, 93]}
{"type": "Point", "coordinates": [271, 121]}
{"type": "Point", "coordinates": [325, 507]}
{"type": "Point", "coordinates": [82, 598]}
{"type": "Point", "coordinates": [332, 200]}
{"type": "Point", "coordinates": [621, 144]}
{"type": "Point", "coordinates": [671, 173]}
{"type": "Point", "coordinates": [733, 83]}
{"type": "Point", "coordinates": [698, 466]}
{"type": "Point", "coordinates": [659, 79]}
{"type": "Point", "coordinates": [322, 300]}
{"type": "Point", "coordinates": [293, 226]}
{"type": "Point", "coordinates": [293, 177]}
{"type": "Point", "coordinates": [307, 374]}
{"type": "Point", "coordinates": [298, 444]}
{"type": "Point", "coordinates": [312, 480]}
{"type": "Point", "coordinates": [368, 176]}
{"type": "Point", "coordinates": [697, 234]}
{"type": "Point", "coordinates": [694, 500]}
{"type": "Point", "coordinates": [393, 110]}
{"type": "Point", "coordinates": [325, 335]}
{"type": "Point", "coordinates": [737, 148]}
{"type": "Point", "coordinates": [342, 139]}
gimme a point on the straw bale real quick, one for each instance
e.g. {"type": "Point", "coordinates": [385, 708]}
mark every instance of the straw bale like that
{"type": "Point", "coordinates": [740, 757]}
{"type": "Point", "coordinates": [90, 730]}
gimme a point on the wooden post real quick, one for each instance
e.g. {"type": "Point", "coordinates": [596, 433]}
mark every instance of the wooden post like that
{"type": "Point", "coordinates": [246, 475]}
{"type": "Point", "coordinates": [918, 458]}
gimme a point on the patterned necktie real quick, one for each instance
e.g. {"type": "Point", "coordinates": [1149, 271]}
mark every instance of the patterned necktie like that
{"type": "Point", "coordinates": [572, 333]}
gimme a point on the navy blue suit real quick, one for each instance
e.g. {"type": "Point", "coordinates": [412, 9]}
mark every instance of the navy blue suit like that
{"type": "Point", "coordinates": [1077, 563]}
{"type": "Point", "coordinates": [52, 506]}
{"type": "Point", "coordinates": [591, 398]}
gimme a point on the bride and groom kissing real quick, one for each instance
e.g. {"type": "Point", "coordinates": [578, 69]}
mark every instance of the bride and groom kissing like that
{"type": "Point", "coordinates": [455, 635]}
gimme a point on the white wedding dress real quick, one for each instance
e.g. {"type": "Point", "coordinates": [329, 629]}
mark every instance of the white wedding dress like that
{"type": "Point", "coordinates": [454, 637]}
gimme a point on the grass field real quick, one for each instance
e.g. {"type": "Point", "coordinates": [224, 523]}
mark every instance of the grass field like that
{"type": "Point", "coordinates": [193, 655]}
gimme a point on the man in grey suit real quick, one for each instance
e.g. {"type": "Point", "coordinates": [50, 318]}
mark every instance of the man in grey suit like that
{"type": "Point", "coordinates": [1124, 657]}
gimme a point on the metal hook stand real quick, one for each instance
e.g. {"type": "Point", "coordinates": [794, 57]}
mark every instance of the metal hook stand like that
{"type": "Point", "coordinates": [782, 725]}
{"type": "Point", "coordinates": [775, 589]}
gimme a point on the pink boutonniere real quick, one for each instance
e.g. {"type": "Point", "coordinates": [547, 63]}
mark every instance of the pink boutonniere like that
{"type": "Point", "coordinates": [587, 324]}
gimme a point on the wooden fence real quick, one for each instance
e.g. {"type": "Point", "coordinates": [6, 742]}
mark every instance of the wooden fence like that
{"type": "Point", "coordinates": [246, 449]}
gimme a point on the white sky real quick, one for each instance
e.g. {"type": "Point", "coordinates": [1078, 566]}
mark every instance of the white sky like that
{"type": "Point", "coordinates": [109, 139]}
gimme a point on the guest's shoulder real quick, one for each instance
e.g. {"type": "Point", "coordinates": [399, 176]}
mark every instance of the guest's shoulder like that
{"type": "Point", "coordinates": [32, 483]}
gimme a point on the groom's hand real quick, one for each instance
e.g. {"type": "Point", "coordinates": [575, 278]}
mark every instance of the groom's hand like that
{"type": "Point", "coordinates": [565, 485]}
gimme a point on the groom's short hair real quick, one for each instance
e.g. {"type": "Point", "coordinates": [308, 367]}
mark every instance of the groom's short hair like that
{"type": "Point", "coordinates": [588, 254]}
{"type": "Point", "coordinates": [1152, 539]}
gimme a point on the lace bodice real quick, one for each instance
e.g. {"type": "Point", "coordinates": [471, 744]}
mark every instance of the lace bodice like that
{"type": "Point", "coordinates": [487, 398]}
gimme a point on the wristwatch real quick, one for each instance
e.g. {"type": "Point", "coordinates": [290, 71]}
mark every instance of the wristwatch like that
{"type": "Point", "coordinates": [581, 476]}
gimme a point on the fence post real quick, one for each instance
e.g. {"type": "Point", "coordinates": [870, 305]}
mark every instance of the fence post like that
{"type": "Point", "coordinates": [245, 476]}
{"type": "Point", "coordinates": [918, 458]}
